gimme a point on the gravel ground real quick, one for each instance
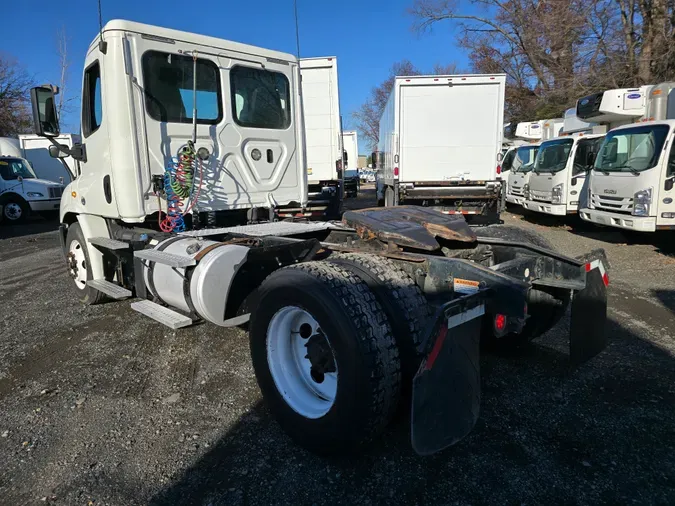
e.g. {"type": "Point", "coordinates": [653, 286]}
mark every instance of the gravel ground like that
{"type": "Point", "coordinates": [99, 405]}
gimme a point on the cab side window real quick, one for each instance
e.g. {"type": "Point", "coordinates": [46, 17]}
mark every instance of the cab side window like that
{"type": "Point", "coordinates": [670, 171]}
{"type": "Point", "coordinates": [92, 105]}
{"type": "Point", "coordinates": [507, 162]}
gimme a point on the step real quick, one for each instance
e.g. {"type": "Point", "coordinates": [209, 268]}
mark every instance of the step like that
{"type": "Point", "coordinates": [112, 290]}
{"type": "Point", "coordinates": [161, 314]}
{"type": "Point", "coordinates": [106, 242]}
{"type": "Point", "coordinates": [162, 257]}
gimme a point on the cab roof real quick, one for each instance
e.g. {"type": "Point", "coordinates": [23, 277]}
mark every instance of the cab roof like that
{"type": "Point", "coordinates": [667, 122]}
{"type": "Point", "coordinates": [121, 25]}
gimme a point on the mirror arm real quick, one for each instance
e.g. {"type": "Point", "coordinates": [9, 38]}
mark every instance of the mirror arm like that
{"type": "Point", "coordinates": [78, 151]}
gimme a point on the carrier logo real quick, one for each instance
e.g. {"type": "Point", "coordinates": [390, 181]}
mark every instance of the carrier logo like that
{"type": "Point", "coordinates": [584, 101]}
{"type": "Point", "coordinates": [610, 192]}
{"type": "Point", "coordinates": [534, 126]}
{"type": "Point", "coordinates": [634, 95]}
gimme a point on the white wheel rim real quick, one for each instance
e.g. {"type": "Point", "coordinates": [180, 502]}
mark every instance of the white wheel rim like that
{"type": "Point", "coordinates": [291, 369]}
{"type": "Point", "coordinates": [13, 211]}
{"type": "Point", "coordinates": [77, 264]}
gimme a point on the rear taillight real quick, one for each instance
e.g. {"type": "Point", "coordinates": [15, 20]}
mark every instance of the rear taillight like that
{"type": "Point", "coordinates": [499, 169]}
{"type": "Point", "coordinates": [396, 171]}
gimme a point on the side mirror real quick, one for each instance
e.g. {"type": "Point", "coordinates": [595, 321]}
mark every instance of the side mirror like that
{"type": "Point", "coordinates": [45, 119]}
{"type": "Point", "coordinates": [669, 184]}
{"type": "Point", "coordinates": [373, 158]}
{"type": "Point", "coordinates": [59, 151]}
{"type": "Point", "coordinates": [19, 179]}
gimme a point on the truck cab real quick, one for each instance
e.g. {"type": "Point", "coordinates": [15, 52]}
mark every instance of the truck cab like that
{"type": "Point", "coordinates": [519, 172]}
{"type": "Point", "coordinates": [21, 192]}
{"type": "Point", "coordinates": [631, 184]}
{"type": "Point", "coordinates": [559, 173]}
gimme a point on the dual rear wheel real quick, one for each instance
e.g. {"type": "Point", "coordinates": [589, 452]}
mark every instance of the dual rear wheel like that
{"type": "Point", "coordinates": [331, 344]}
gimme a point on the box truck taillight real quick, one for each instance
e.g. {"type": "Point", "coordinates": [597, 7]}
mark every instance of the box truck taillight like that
{"type": "Point", "coordinates": [396, 171]}
{"type": "Point", "coordinates": [499, 169]}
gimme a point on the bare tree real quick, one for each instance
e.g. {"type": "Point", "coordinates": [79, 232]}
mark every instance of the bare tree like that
{"type": "Point", "coordinates": [15, 84]}
{"type": "Point", "coordinates": [64, 99]}
{"type": "Point", "coordinates": [367, 118]}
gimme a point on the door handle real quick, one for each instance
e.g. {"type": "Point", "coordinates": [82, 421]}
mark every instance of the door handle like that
{"type": "Point", "coordinates": [270, 156]}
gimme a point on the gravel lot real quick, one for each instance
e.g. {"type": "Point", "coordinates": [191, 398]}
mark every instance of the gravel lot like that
{"type": "Point", "coordinates": [99, 405]}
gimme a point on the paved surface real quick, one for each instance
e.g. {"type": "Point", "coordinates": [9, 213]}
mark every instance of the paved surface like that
{"type": "Point", "coordinates": [99, 405]}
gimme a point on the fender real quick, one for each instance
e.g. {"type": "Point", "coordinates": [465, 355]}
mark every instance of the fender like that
{"type": "Point", "coordinates": [94, 226]}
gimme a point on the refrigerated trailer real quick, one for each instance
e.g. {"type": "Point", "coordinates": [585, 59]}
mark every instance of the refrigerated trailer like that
{"type": "Point", "coordinates": [323, 137]}
{"type": "Point", "coordinates": [440, 142]}
{"type": "Point", "coordinates": [340, 315]}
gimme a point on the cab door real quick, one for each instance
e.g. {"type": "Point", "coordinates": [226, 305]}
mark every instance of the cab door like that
{"type": "Point", "coordinates": [665, 195]}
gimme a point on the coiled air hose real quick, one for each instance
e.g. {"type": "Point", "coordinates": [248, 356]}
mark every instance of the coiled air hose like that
{"type": "Point", "coordinates": [179, 186]}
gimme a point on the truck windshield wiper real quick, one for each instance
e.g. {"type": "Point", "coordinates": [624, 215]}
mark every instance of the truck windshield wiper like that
{"type": "Point", "coordinates": [632, 169]}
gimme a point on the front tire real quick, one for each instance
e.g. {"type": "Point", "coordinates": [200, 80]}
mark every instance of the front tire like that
{"type": "Point", "coordinates": [317, 324]}
{"type": "Point", "coordinates": [15, 210]}
{"type": "Point", "coordinates": [79, 267]}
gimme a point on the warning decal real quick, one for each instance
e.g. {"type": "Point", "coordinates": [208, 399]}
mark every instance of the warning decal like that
{"type": "Point", "coordinates": [465, 285]}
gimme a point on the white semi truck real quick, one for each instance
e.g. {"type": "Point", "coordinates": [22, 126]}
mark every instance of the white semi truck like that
{"type": "Point", "coordinates": [440, 143]}
{"type": "Point", "coordinates": [323, 135]}
{"type": "Point", "coordinates": [22, 192]}
{"type": "Point", "coordinates": [340, 314]}
{"type": "Point", "coordinates": [631, 184]}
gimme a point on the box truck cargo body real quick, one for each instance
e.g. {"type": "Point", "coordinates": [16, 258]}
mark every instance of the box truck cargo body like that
{"type": "Point", "coordinates": [350, 140]}
{"type": "Point", "coordinates": [440, 137]}
{"type": "Point", "coordinates": [321, 110]}
{"type": "Point", "coordinates": [36, 150]}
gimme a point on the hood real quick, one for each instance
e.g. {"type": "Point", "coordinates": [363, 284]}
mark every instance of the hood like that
{"type": "Point", "coordinates": [545, 181]}
{"type": "Point", "coordinates": [36, 184]}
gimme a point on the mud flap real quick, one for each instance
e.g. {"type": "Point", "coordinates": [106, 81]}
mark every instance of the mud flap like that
{"type": "Point", "coordinates": [589, 314]}
{"type": "Point", "coordinates": [446, 388]}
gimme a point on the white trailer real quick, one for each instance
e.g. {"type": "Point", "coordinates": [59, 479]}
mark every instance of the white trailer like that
{"type": "Point", "coordinates": [340, 315]}
{"type": "Point", "coordinates": [552, 128]}
{"type": "Point", "coordinates": [350, 140]}
{"type": "Point", "coordinates": [323, 136]}
{"type": "Point", "coordinates": [631, 184]}
{"type": "Point", "coordinates": [35, 149]}
{"type": "Point", "coordinates": [440, 142]}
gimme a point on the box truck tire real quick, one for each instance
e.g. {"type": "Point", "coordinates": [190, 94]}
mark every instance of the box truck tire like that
{"type": "Point", "coordinates": [14, 209]}
{"type": "Point", "coordinates": [79, 268]}
{"type": "Point", "coordinates": [324, 357]}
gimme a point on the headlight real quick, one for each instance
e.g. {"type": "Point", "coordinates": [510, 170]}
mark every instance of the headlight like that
{"type": "Point", "coordinates": [557, 194]}
{"type": "Point", "coordinates": [641, 202]}
{"type": "Point", "coordinates": [526, 191]}
{"type": "Point", "coordinates": [34, 194]}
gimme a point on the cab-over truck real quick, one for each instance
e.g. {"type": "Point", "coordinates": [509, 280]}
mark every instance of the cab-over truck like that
{"type": "Point", "coordinates": [346, 320]}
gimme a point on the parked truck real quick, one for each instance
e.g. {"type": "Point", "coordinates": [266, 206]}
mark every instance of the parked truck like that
{"type": "Point", "coordinates": [35, 149]}
{"type": "Point", "coordinates": [519, 172]}
{"type": "Point", "coordinates": [440, 142]}
{"type": "Point", "coordinates": [342, 317]}
{"type": "Point", "coordinates": [631, 184]}
{"type": "Point", "coordinates": [21, 191]}
{"type": "Point", "coordinates": [323, 135]}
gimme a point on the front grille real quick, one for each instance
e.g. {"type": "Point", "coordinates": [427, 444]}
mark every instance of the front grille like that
{"type": "Point", "coordinates": [55, 192]}
{"type": "Point", "coordinates": [518, 192]}
{"type": "Point", "coordinates": [616, 204]}
{"type": "Point", "coordinates": [541, 196]}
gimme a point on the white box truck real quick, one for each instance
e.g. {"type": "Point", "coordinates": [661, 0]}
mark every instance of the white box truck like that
{"type": "Point", "coordinates": [321, 109]}
{"type": "Point", "coordinates": [440, 143]}
{"type": "Point", "coordinates": [631, 184]}
{"type": "Point", "coordinates": [350, 141]}
{"type": "Point", "coordinates": [36, 150]}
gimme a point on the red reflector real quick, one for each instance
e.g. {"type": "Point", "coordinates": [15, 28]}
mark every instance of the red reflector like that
{"type": "Point", "coordinates": [440, 339]}
{"type": "Point", "coordinates": [407, 80]}
{"type": "Point", "coordinates": [436, 79]}
{"type": "Point", "coordinates": [500, 322]}
{"type": "Point", "coordinates": [395, 171]}
{"type": "Point", "coordinates": [588, 267]}
{"type": "Point", "coordinates": [605, 279]}
{"type": "Point", "coordinates": [499, 169]}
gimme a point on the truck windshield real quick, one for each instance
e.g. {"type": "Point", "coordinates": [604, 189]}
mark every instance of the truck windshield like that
{"type": "Point", "coordinates": [552, 155]}
{"type": "Point", "coordinates": [631, 149]}
{"type": "Point", "coordinates": [13, 168]}
{"type": "Point", "coordinates": [525, 158]}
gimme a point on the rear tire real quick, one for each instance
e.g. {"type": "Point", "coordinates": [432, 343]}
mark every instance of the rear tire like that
{"type": "Point", "coordinates": [402, 301]}
{"type": "Point", "coordinates": [79, 267]}
{"type": "Point", "coordinates": [352, 341]}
